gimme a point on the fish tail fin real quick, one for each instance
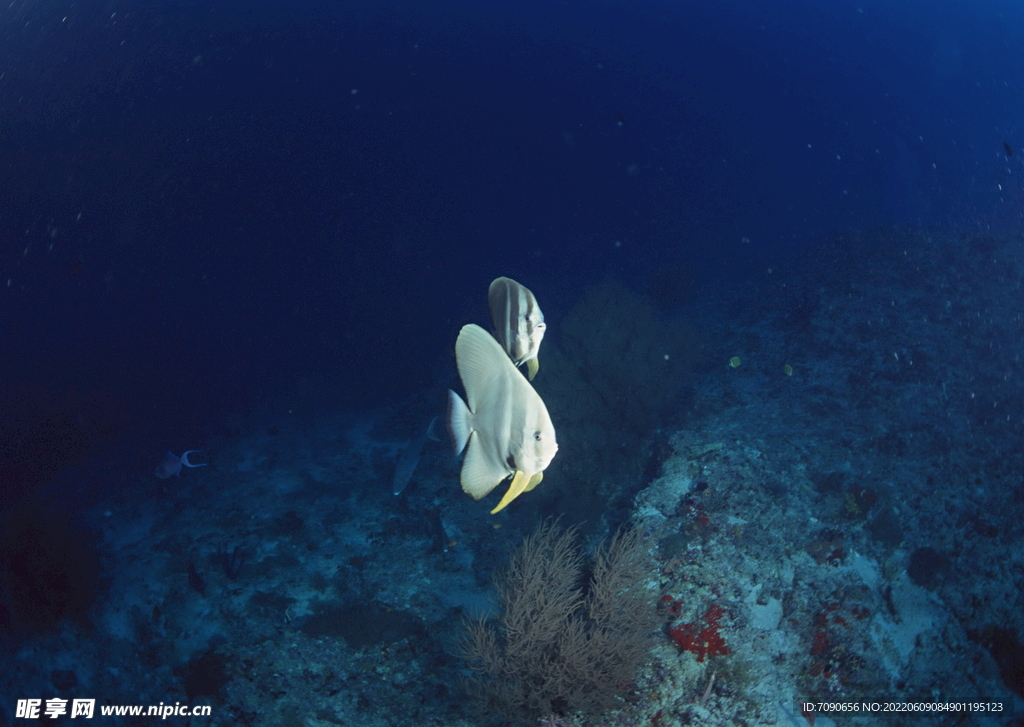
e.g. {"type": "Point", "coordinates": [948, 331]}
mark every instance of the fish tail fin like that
{"type": "Point", "coordinates": [184, 459]}
{"type": "Point", "coordinates": [430, 430]}
{"type": "Point", "coordinates": [458, 422]}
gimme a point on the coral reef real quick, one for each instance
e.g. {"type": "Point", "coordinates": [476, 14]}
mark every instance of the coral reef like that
{"type": "Point", "coordinates": [615, 371]}
{"type": "Point", "coordinates": [562, 646]}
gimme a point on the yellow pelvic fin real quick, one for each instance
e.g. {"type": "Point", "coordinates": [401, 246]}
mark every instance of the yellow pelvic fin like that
{"type": "Point", "coordinates": [532, 367]}
{"type": "Point", "coordinates": [534, 481]}
{"type": "Point", "coordinates": [520, 483]}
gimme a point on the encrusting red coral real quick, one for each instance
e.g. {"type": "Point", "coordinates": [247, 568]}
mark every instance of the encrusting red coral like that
{"type": "Point", "coordinates": [702, 641]}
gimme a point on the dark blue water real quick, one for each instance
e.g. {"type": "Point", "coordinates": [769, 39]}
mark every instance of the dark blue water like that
{"type": "Point", "coordinates": [220, 220]}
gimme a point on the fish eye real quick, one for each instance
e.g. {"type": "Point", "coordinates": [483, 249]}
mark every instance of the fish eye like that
{"type": "Point", "coordinates": [537, 437]}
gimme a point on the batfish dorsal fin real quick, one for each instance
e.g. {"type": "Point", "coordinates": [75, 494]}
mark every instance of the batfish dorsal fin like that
{"type": "Point", "coordinates": [481, 361]}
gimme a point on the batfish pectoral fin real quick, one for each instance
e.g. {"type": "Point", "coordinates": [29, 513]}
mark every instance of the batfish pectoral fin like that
{"type": "Point", "coordinates": [520, 483]}
{"type": "Point", "coordinates": [534, 481]}
{"type": "Point", "coordinates": [532, 367]}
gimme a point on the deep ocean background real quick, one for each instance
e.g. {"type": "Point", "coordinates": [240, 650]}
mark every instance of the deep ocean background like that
{"type": "Point", "coordinates": [206, 202]}
{"type": "Point", "coordinates": [210, 209]}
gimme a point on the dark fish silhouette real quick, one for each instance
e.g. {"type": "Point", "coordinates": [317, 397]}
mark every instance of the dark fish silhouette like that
{"type": "Point", "coordinates": [410, 458]}
{"type": "Point", "coordinates": [171, 464]}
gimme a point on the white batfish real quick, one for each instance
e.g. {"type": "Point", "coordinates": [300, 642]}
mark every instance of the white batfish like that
{"type": "Point", "coordinates": [503, 425]}
{"type": "Point", "coordinates": [518, 322]}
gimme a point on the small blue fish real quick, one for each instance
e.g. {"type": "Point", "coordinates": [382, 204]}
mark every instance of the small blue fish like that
{"type": "Point", "coordinates": [171, 464]}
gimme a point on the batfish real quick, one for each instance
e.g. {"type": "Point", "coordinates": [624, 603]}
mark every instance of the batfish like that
{"type": "Point", "coordinates": [518, 322]}
{"type": "Point", "coordinates": [503, 425]}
